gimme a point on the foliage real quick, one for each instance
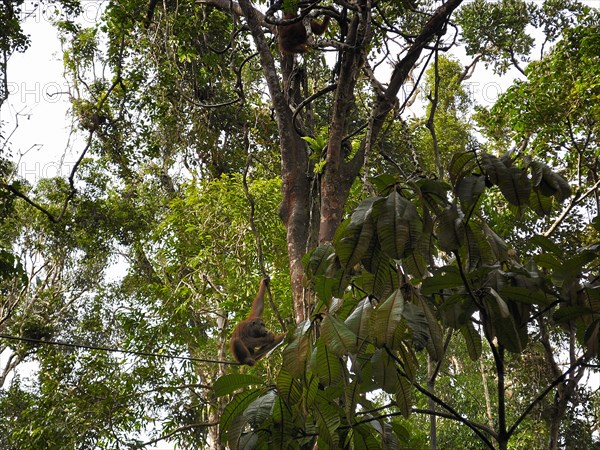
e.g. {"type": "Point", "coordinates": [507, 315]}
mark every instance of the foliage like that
{"type": "Point", "coordinates": [448, 292]}
{"type": "Point", "coordinates": [366, 338]}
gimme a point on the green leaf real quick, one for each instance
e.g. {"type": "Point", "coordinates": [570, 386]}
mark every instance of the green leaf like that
{"type": "Point", "coordinates": [568, 313]}
{"type": "Point", "coordinates": [409, 361]}
{"type": "Point", "coordinates": [541, 204]}
{"type": "Point", "coordinates": [472, 340]}
{"type": "Point", "coordinates": [289, 387]}
{"type": "Point", "coordinates": [320, 260]}
{"type": "Point", "coordinates": [495, 169]}
{"type": "Point", "coordinates": [385, 277]}
{"type": "Point", "coordinates": [417, 322]}
{"type": "Point", "coordinates": [524, 295]}
{"type": "Point", "coordinates": [328, 422]}
{"type": "Point", "coordinates": [358, 321]}
{"type": "Point", "coordinates": [385, 372]}
{"type": "Point", "coordinates": [236, 408]}
{"type": "Point", "coordinates": [328, 366]}
{"type": "Point", "coordinates": [295, 355]}
{"type": "Point", "coordinates": [362, 438]}
{"type": "Point", "coordinates": [592, 338]}
{"type": "Point", "coordinates": [398, 226]}
{"type": "Point", "coordinates": [384, 183]}
{"type": "Point", "coordinates": [338, 337]}
{"type": "Point", "coordinates": [386, 317]}
{"type": "Point", "coordinates": [434, 345]}
{"type": "Point", "coordinates": [228, 383]}
{"type": "Point", "coordinates": [546, 244]}
{"type": "Point", "coordinates": [515, 186]}
{"type": "Point", "coordinates": [260, 409]}
{"type": "Point", "coordinates": [470, 188]}
{"type": "Point", "coordinates": [353, 243]}
{"type": "Point", "coordinates": [447, 277]}
{"type": "Point", "coordinates": [450, 230]}
{"type": "Point", "coordinates": [501, 322]}
{"type": "Point", "coordinates": [461, 164]}
{"type": "Point", "coordinates": [549, 183]}
{"type": "Point", "coordinates": [403, 397]}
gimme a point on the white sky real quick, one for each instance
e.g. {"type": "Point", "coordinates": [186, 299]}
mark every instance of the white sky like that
{"type": "Point", "coordinates": [36, 115]}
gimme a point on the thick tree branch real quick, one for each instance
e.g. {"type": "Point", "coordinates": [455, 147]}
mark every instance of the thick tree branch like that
{"type": "Point", "coordinates": [433, 27]}
{"type": "Point", "coordinates": [295, 173]}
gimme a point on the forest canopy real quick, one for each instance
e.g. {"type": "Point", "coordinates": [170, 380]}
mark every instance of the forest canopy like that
{"type": "Point", "coordinates": [433, 255]}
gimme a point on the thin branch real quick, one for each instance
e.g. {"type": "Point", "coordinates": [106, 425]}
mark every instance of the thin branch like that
{"type": "Point", "coordinates": [176, 431]}
{"type": "Point", "coordinates": [111, 349]}
{"type": "Point", "coordinates": [579, 363]}
{"type": "Point", "coordinates": [254, 228]}
{"type": "Point", "coordinates": [309, 100]}
{"type": "Point", "coordinates": [430, 125]}
{"type": "Point", "coordinates": [468, 72]}
{"type": "Point", "coordinates": [475, 427]}
{"type": "Point", "coordinates": [574, 201]}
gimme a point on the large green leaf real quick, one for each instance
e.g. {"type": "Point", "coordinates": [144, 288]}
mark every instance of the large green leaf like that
{"type": "Point", "coordinates": [328, 421]}
{"type": "Point", "coordinates": [524, 295]}
{"type": "Point", "coordinates": [238, 437]}
{"type": "Point", "coordinates": [296, 353]}
{"type": "Point", "coordinates": [320, 260]}
{"type": "Point", "coordinates": [385, 277]}
{"type": "Point", "coordinates": [447, 277]}
{"type": "Point", "coordinates": [385, 372]}
{"type": "Point", "coordinates": [495, 169]}
{"type": "Point", "coordinates": [228, 383]}
{"type": "Point", "coordinates": [541, 204]}
{"type": "Point", "coordinates": [591, 338]}
{"type": "Point", "coordinates": [417, 322]}
{"type": "Point", "coordinates": [415, 265]}
{"type": "Point", "coordinates": [387, 376]}
{"type": "Point", "coordinates": [338, 337]}
{"type": "Point", "coordinates": [409, 361]}
{"type": "Point", "coordinates": [434, 345]}
{"type": "Point", "coordinates": [358, 321]}
{"type": "Point", "coordinates": [260, 409]}
{"type": "Point", "coordinates": [327, 365]}
{"type": "Point", "coordinates": [472, 340]}
{"type": "Point", "coordinates": [501, 322]}
{"type": "Point", "coordinates": [549, 183]}
{"type": "Point", "coordinates": [568, 313]}
{"type": "Point", "coordinates": [450, 229]}
{"type": "Point", "coordinates": [403, 397]}
{"type": "Point", "coordinates": [362, 438]}
{"type": "Point", "coordinates": [289, 387]}
{"type": "Point", "coordinates": [386, 317]}
{"type": "Point", "coordinates": [461, 165]}
{"type": "Point", "coordinates": [470, 188]}
{"type": "Point", "coordinates": [496, 243]}
{"type": "Point", "coordinates": [515, 186]}
{"type": "Point", "coordinates": [236, 408]}
{"type": "Point", "coordinates": [471, 247]}
{"type": "Point", "coordinates": [354, 236]}
{"type": "Point", "coordinates": [398, 226]}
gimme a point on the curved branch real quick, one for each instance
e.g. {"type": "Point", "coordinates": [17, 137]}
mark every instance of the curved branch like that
{"type": "Point", "coordinates": [309, 100]}
{"type": "Point", "coordinates": [579, 363]}
{"type": "Point", "coordinates": [478, 429]}
{"type": "Point", "coordinates": [574, 201]}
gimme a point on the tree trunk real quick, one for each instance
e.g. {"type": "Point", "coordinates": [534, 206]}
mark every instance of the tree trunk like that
{"type": "Point", "coordinates": [432, 404]}
{"type": "Point", "coordinates": [339, 173]}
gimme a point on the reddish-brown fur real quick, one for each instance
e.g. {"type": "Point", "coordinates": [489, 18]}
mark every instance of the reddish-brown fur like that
{"type": "Point", "coordinates": [293, 37]}
{"type": "Point", "coordinates": [251, 340]}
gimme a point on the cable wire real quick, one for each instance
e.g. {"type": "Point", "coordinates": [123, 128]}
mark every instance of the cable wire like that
{"type": "Point", "coordinates": [112, 350]}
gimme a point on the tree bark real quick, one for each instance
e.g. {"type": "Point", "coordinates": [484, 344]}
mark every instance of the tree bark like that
{"type": "Point", "coordinates": [339, 174]}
